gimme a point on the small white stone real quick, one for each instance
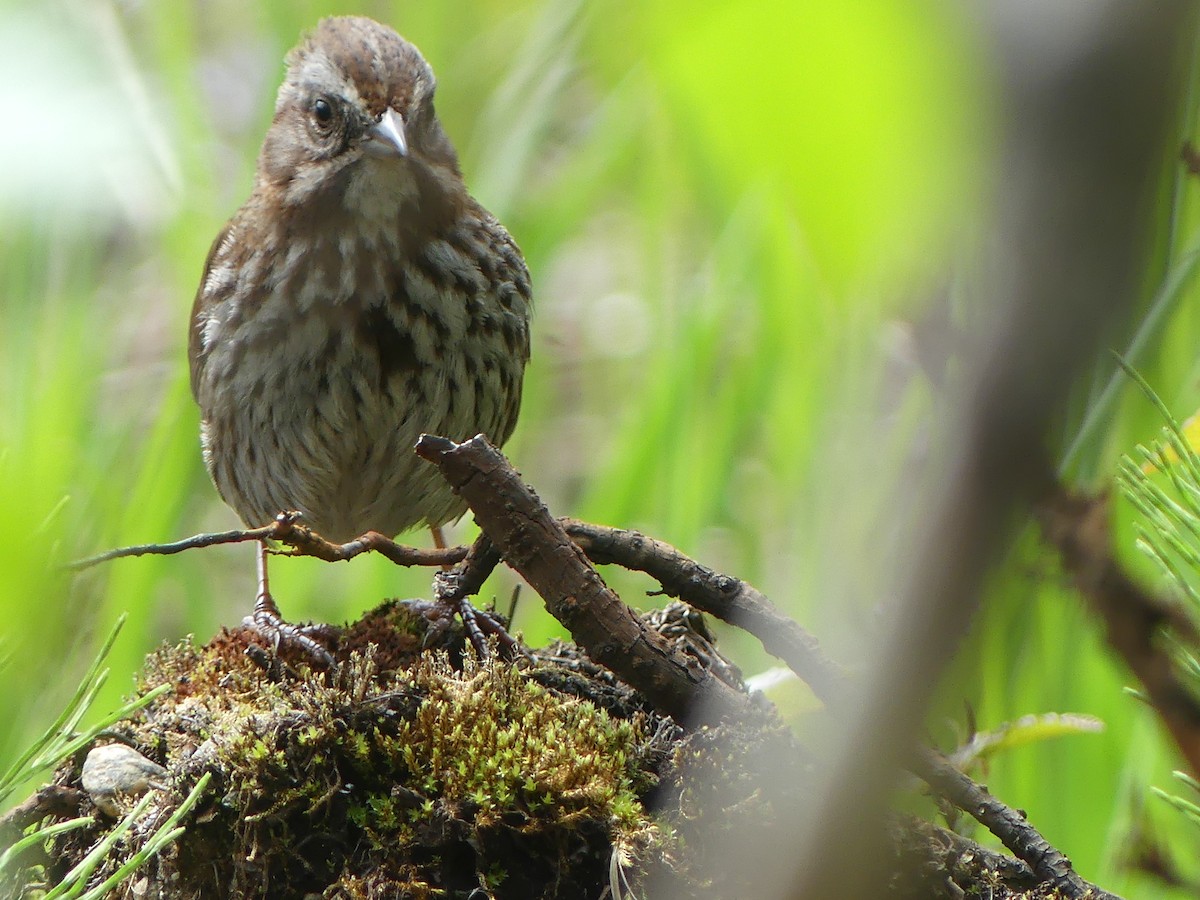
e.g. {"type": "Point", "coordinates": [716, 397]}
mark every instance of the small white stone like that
{"type": "Point", "coordinates": [115, 771]}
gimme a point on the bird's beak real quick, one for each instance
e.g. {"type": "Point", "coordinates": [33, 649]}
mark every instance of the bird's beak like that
{"type": "Point", "coordinates": [387, 136]}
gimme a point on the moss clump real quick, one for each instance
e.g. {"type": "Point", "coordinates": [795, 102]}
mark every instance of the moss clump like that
{"type": "Point", "coordinates": [423, 773]}
{"type": "Point", "coordinates": [404, 773]}
{"type": "Point", "coordinates": [490, 738]}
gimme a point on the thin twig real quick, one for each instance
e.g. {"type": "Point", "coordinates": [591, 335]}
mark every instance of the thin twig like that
{"type": "Point", "coordinates": [208, 539]}
{"type": "Point", "coordinates": [302, 540]}
{"type": "Point", "coordinates": [306, 542]}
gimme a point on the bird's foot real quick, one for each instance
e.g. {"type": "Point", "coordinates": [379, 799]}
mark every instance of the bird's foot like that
{"type": "Point", "coordinates": [452, 589]}
{"type": "Point", "coordinates": [481, 624]}
{"type": "Point", "coordinates": [304, 639]}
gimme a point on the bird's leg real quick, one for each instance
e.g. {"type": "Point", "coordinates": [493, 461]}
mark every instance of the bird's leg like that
{"type": "Point", "coordinates": [439, 541]}
{"type": "Point", "coordinates": [264, 603]}
{"type": "Point", "coordinates": [267, 621]}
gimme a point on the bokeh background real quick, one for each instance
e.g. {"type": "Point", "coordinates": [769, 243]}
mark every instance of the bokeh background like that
{"type": "Point", "coordinates": [752, 228]}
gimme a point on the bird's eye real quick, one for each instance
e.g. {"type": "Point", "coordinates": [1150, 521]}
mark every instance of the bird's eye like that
{"type": "Point", "coordinates": [322, 111]}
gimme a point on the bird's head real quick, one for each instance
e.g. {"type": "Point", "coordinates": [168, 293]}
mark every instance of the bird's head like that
{"type": "Point", "coordinates": [355, 114]}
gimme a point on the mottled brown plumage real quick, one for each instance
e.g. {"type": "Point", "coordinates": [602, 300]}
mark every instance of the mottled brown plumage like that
{"type": "Point", "coordinates": [359, 298]}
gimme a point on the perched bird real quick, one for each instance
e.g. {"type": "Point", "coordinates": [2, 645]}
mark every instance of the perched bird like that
{"type": "Point", "coordinates": [360, 297]}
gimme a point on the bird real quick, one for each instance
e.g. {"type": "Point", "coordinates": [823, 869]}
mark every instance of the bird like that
{"type": "Point", "coordinates": [359, 298]}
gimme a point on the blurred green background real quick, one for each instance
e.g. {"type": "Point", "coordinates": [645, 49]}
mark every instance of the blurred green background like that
{"type": "Point", "coordinates": [747, 224]}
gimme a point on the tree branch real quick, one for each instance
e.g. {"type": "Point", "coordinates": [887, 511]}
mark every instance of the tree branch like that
{"type": "Point", "coordinates": [535, 545]}
{"type": "Point", "coordinates": [729, 599]}
{"type": "Point", "coordinates": [1049, 864]}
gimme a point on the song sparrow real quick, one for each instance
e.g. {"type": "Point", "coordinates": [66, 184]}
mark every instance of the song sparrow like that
{"type": "Point", "coordinates": [359, 298]}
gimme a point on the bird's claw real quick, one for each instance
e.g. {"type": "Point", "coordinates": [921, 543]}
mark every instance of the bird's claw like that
{"type": "Point", "coordinates": [270, 625]}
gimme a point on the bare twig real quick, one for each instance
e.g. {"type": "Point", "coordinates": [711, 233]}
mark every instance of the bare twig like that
{"type": "Point", "coordinates": [306, 542]}
{"type": "Point", "coordinates": [207, 539]}
{"type": "Point", "coordinates": [729, 599]}
{"type": "Point", "coordinates": [534, 543]}
{"type": "Point", "coordinates": [302, 540]}
{"type": "Point", "coordinates": [1006, 823]}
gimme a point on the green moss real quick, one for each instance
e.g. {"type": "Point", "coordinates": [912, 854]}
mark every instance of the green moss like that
{"type": "Point", "coordinates": [428, 779]}
{"type": "Point", "coordinates": [488, 736]}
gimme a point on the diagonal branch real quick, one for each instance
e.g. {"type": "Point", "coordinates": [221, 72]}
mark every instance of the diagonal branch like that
{"type": "Point", "coordinates": [1047, 862]}
{"type": "Point", "coordinates": [535, 545]}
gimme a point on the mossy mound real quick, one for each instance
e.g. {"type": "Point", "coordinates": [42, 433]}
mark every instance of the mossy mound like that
{"type": "Point", "coordinates": [405, 773]}
{"type": "Point", "coordinates": [413, 770]}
